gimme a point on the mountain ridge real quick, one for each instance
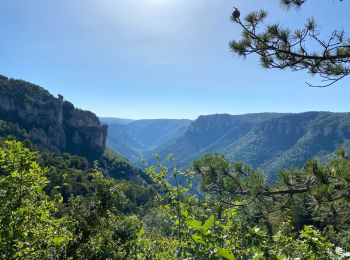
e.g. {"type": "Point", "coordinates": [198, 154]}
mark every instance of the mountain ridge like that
{"type": "Point", "coordinates": [267, 141]}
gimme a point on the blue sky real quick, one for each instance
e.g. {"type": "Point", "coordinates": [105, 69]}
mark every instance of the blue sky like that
{"type": "Point", "coordinates": [158, 58]}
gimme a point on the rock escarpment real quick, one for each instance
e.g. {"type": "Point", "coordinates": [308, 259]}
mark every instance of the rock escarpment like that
{"type": "Point", "coordinates": [51, 122]}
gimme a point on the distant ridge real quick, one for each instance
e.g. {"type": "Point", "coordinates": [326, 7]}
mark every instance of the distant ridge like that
{"type": "Point", "coordinates": [142, 138]}
{"type": "Point", "coordinates": [268, 141]}
{"type": "Point", "coordinates": [115, 121]}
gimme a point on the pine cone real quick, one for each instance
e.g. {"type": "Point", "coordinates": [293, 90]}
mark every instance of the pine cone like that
{"type": "Point", "coordinates": [236, 14]}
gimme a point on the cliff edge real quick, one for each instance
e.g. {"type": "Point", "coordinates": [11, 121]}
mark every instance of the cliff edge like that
{"type": "Point", "coordinates": [51, 123]}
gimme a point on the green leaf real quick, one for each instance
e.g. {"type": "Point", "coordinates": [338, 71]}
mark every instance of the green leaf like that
{"type": "Point", "coordinates": [225, 253]}
{"type": "Point", "coordinates": [140, 233]}
{"type": "Point", "coordinates": [208, 223]}
{"type": "Point", "coordinates": [196, 224]}
{"type": "Point", "coordinates": [184, 213]}
{"type": "Point", "coordinates": [58, 240]}
{"type": "Point", "coordinates": [198, 239]}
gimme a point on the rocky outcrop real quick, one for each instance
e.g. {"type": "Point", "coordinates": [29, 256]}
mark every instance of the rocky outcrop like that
{"type": "Point", "coordinates": [51, 122]}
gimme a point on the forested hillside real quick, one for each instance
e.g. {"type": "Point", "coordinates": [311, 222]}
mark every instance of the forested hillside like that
{"type": "Point", "coordinates": [268, 141]}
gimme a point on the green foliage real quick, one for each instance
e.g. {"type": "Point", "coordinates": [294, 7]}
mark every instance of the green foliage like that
{"type": "Point", "coordinates": [8, 130]}
{"type": "Point", "coordinates": [202, 230]}
{"type": "Point", "coordinates": [315, 195]}
{"type": "Point", "coordinates": [101, 231]}
{"type": "Point", "coordinates": [29, 228]}
{"type": "Point", "coordinates": [38, 223]}
{"type": "Point", "coordinates": [232, 219]}
{"type": "Point", "coordinates": [119, 168]}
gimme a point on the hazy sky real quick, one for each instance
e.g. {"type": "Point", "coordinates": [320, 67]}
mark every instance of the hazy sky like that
{"type": "Point", "coordinates": [158, 58]}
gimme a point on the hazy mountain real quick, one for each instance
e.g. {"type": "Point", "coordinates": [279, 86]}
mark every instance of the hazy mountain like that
{"type": "Point", "coordinates": [144, 138]}
{"type": "Point", "coordinates": [115, 121]}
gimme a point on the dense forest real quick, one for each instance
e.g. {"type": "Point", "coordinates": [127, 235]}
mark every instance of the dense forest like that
{"type": "Point", "coordinates": [57, 207]}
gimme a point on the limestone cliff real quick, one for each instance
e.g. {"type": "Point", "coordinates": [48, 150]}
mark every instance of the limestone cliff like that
{"type": "Point", "coordinates": [51, 122]}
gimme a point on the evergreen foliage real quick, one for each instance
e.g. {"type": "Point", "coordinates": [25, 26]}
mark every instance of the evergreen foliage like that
{"type": "Point", "coordinates": [303, 49]}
